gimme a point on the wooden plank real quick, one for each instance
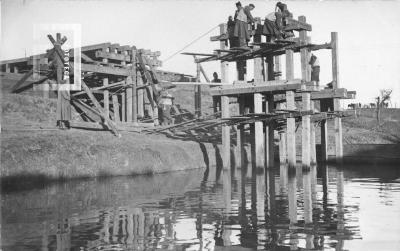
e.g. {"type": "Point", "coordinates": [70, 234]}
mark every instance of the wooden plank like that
{"type": "Point", "coordinates": [106, 119]}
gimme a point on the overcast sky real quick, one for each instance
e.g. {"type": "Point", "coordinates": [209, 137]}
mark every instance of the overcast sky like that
{"type": "Point", "coordinates": [369, 33]}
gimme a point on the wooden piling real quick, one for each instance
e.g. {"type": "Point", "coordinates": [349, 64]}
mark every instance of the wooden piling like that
{"type": "Point", "coordinates": [134, 103]}
{"type": "Point", "coordinates": [258, 134]}
{"type": "Point", "coordinates": [197, 89]}
{"type": "Point", "coordinates": [290, 105]}
{"type": "Point", "coordinates": [313, 150]}
{"type": "Point", "coordinates": [140, 95]}
{"type": "Point", "coordinates": [129, 99]}
{"type": "Point", "coordinates": [306, 100]}
{"type": "Point", "coordinates": [226, 139]}
{"type": "Point", "coordinates": [324, 141]}
{"type": "Point", "coordinates": [106, 99]}
{"type": "Point", "coordinates": [240, 139]}
{"type": "Point", "coordinates": [269, 133]}
{"type": "Point", "coordinates": [123, 106]}
{"type": "Point", "coordinates": [336, 102]}
{"type": "Point", "coordinates": [116, 108]}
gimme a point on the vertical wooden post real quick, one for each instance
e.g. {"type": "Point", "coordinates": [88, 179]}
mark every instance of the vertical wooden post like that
{"type": "Point", "coordinates": [106, 99]}
{"type": "Point", "coordinates": [134, 89]}
{"type": "Point", "coordinates": [15, 69]}
{"type": "Point", "coordinates": [313, 150]}
{"type": "Point", "coordinates": [116, 108]}
{"type": "Point", "coordinates": [292, 198]}
{"type": "Point", "coordinates": [259, 149]}
{"type": "Point", "coordinates": [269, 133]}
{"type": "Point", "coordinates": [240, 139]}
{"type": "Point", "coordinates": [123, 108]}
{"type": "Point", "coordinates": [123, 94]}
{"type": "Point", "coordinates": [324, 140]}
{"type": "Point", "coordinates": [129, 97]}
{"type": "Point", "coordinates": [197, 104]}
{"type": "Point", "coordinates": [140, 95]}
{"type": "Point", "coordinates": [106, 96]}
{"type": "Point", "coordinates": [306, 100]}
{"type": "Point", "coordinates": [282, 135]}
{"type": "Point", "coordinates": [8, 68]}
{"type": "Point", "coordinates": [226, 137]}
{"type": "Point", "coordinates": [307, 196]}
{"type": "Point", "coordinates": [134, 103]}
{"type": "Point", "coordinates": [290, 105]}
{"type": "Point", "coordinates": [336, 102]}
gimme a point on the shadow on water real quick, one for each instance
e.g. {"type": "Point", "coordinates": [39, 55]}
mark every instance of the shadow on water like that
{"type": "Point", "coordinates": [212, 209]}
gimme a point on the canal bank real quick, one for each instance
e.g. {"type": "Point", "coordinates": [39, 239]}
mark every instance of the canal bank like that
{"type": "Point", "coordinates": [30, 150]}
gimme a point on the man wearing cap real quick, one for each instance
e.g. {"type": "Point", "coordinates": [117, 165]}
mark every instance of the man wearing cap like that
{"type": "Point", "coordinates": [243, 17]}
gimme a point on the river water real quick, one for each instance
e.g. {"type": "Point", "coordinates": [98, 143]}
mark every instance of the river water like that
{"type": "Point", "coordinates": [323, 208]}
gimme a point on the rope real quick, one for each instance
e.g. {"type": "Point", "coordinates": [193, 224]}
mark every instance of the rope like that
{"type": "Point", "coordinates": [186, 46]}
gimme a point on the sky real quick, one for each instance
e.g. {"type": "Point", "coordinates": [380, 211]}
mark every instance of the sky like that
{"type": "Point", "coordinates": [369, 33]}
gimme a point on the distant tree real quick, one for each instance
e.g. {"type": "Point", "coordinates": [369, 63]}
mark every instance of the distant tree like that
{"type": "Point", "coordinates": [381, 100]}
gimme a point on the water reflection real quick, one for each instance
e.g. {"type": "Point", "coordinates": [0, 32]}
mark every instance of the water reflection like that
{"type": "Point", "coordinates": [244, 209]}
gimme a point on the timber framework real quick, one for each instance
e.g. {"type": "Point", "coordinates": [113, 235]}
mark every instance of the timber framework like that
{"type": "Point", "coordinates": [269, 104]}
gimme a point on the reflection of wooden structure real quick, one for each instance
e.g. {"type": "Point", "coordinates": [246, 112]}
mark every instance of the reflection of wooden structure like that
{"type": "Point", "coordinates": [120, 84]}
{"type": "Point", "coordinates": [268, 104]}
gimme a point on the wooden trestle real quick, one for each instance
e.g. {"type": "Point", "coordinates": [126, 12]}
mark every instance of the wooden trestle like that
{"type": "Point", "coordinates": [120, 84]}
{"type": "Point", "coordinates": [268, 104]}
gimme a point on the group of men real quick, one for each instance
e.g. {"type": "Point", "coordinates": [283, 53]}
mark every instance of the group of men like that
{"type": "Point", "coordinates": [273, 28]}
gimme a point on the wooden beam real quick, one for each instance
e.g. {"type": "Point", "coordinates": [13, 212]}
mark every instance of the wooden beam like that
{"type": "Point", "coordinates": [106, 70]}
{"type": "Point", "coordinates": [106, 119]}
{"type": "Point", "coordinates": [112, 56]}
{"type": "Point", "coordinates": [259, 88]}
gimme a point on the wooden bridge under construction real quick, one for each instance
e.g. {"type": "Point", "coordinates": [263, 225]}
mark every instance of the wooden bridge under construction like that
{"type": "Point", "coordinates": [121, 85]}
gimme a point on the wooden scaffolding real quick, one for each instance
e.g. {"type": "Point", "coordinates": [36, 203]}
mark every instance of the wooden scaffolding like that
{"type": "Point", "coordinates": [268, 103]}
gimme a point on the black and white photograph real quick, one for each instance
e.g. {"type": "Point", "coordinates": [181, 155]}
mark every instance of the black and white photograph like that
{"type": "Point", "coordinates": [191, 125]}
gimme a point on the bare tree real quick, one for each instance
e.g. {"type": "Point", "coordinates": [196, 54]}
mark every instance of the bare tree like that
{"type": "Point", "coordinates": [381, 100]}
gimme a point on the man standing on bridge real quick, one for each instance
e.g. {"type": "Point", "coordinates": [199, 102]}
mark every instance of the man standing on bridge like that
{"type": "Point", "coordinates": [315, 68]}
{"type": "Point", "coordinates": [242, 18]}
